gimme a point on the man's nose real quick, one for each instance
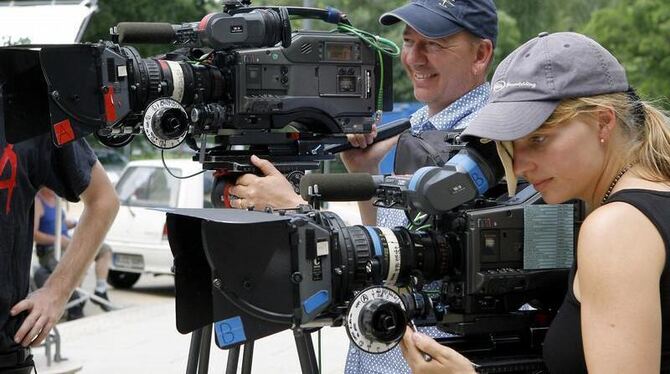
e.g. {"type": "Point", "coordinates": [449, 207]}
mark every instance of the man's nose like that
{"type": "Point", "coordinates": [415, 56]}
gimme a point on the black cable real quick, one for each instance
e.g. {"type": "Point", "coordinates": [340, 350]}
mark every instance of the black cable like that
{"type": "Point", "coordinates": [176, 176]}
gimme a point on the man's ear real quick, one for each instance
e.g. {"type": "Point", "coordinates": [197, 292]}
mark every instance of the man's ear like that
{"type": "Point", "coordinates": [483, 56]}
{"type": "Point", "coordinates": [606, 123]}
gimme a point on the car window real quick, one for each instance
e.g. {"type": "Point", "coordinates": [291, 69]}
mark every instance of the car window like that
{"type": "Point", "coordinates": [148, 186]}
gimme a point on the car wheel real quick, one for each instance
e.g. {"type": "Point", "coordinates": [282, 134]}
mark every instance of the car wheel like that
{"type": "Point", "coordinates": [122, 279]}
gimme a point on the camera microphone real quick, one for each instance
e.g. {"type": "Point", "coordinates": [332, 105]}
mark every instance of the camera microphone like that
{"type": "Point", "coordinates": [339, 187]}
{"type": "Point", "coordinates": [146, 32]}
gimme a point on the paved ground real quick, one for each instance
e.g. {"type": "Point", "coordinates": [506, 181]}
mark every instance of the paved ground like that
{"type": "Point", "coordinates": [142, 338]}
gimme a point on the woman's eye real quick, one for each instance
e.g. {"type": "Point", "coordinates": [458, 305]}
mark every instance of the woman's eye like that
{"type": "Point", "coordinates": [537, 139]}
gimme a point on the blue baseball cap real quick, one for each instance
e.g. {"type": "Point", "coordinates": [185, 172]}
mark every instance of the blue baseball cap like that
{"type": "Point", "coordinates": [440, 18]}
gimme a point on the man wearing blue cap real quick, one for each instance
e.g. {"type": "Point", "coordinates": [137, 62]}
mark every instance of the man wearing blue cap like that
{"type": "Point", "coordinates": [448, 46]}
{"type": "Point", "coordinates": [447, 49]}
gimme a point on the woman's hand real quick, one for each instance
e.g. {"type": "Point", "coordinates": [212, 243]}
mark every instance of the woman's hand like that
{"type": "Point", "coordinates": [445, 360]}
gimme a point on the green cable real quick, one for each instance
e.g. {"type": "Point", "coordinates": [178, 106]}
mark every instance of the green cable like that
{"type": "Point", "coordinates": [380, 45]}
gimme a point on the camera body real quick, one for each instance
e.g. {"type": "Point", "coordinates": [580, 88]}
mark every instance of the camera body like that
{"type": "Point", "coordinates": [242, 83]}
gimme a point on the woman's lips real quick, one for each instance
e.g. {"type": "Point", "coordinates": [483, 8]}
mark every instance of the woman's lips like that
{"type": "Point", "coordinates": [540, 184]}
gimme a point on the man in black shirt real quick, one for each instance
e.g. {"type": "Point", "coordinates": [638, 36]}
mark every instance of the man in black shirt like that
{"type": "Point", "coordinates": [74, 173]}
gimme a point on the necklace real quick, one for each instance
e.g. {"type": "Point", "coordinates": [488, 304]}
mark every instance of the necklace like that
{"type": "Point", "coordinates": [614, 182]}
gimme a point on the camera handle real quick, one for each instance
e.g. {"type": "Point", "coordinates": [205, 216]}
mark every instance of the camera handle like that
{"type": "Point", "coordinates": [198, 354]}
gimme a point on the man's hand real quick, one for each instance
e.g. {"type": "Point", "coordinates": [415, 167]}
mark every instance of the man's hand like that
{"type": "Point", "coordinates": [444, 359]}
{"type": "Point", "coordinates": [366, 156]}
{"type": "Point", "coordinates": [44, 308]}
{"type": "Point", "coordinates": [270, 190]}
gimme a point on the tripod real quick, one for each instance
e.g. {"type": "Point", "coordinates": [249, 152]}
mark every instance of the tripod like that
{"type": "Point", "coordinates": [198, 354]}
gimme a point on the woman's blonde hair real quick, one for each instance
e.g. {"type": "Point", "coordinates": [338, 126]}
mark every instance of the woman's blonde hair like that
{"type": "Point", "coordinates": [646, 128]}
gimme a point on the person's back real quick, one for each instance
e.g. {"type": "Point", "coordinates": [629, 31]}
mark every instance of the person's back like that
{"type": "Point", "coordinates": [563, 346]}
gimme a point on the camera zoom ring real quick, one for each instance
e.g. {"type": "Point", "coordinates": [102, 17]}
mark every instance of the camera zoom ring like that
{"type": "Point", "coordinates": [154, 79]}
{"type": "Point", "coordinates": [362, 248]}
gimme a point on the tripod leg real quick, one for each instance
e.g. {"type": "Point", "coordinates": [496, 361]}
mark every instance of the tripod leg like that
{"type": "Point", "coordinates": [247, 357]}
{"type": "Point", "coordinates": [205, 344]}
{"type": "Point", "coordinates": [303, 342]}
{"type": "Point", "coordinates": [233, 358]}
{"type": "Point", "coordinates": [194, 352]}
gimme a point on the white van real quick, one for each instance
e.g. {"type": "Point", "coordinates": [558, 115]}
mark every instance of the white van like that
{"type": "Point", "coordinates": [138, 236]}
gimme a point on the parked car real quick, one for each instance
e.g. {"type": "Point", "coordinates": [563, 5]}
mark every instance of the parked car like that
{"type": "Point", "coordinates": [138, 236]}
{"type": "Point", "coordinates": [113, 162]}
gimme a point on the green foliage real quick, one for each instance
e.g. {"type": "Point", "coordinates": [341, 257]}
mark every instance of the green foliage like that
{"type": "Point", "coordinates": [637, 34]}
{"type": "Point", "coordinates": [111, 12]}
{"type": "Point", "coordinates": [509, 37]}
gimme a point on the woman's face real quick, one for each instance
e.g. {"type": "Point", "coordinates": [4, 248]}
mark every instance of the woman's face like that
{"type": "Point", "coordinates": [562, 162]}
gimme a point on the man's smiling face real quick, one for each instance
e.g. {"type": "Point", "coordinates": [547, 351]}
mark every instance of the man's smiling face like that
{"type": "Point", "coordinates": [441, 69]}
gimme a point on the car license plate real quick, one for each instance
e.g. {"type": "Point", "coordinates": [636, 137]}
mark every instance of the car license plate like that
{"type": "Point", "coordinates": [128, 261]}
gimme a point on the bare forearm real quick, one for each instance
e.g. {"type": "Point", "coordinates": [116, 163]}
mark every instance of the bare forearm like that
{"type": "Point", "coordinates": [95, 221]}
{"type": "Point", "coordinates": [41, 238]}
{"type": "Point", "coordinates": [368, 213]}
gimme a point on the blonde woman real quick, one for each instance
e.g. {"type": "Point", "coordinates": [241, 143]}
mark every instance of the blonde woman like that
{"type": "Point", "coordinates": [566, 119]}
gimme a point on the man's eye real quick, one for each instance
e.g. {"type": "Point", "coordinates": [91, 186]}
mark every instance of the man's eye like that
{"type": "Point", "coordinates": [433, 46]}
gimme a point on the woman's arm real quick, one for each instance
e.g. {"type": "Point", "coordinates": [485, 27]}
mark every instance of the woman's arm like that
{"type": "Point", "coordinates": [621, 257]}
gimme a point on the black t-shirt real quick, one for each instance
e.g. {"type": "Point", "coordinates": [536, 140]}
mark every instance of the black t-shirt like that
{"type": "Point", "coordinates": [24, 168]}
{"type": "Point", "coordinates": [563, 346]}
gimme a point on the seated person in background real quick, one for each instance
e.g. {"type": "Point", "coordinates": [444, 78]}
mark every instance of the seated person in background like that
{"type": "Point", "coordinates": [44, 230]}
{"type": "Point", "coordinates": [566, 119]}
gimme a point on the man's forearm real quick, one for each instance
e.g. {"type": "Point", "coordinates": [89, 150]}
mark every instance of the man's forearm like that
{"type": "Point", "coordinates": [368, 213]}
{"type": "Point", "coordinates": [100, 207]}
{"type": "Point", "coordinates": [42, 238]}
{"type": "Point", "coordinates": [95, 221]}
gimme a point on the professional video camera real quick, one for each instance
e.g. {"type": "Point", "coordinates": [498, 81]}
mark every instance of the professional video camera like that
{"type": "Point", "coordinates": [502, 262]}
{"type": "Point", "coordinates": [241, 84]}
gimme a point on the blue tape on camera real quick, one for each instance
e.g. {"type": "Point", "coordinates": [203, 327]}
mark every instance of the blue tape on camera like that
{"type": "Point", "coordinates": [474, 171]}
{"type": "Point", "coordinates": [376, 241]}
{"type": "Point", "coordinates": [229, 332]}
{"type": "Point", "coordinates": [315, 301]}
{"type": "Point", "coordinates": [333, 16]}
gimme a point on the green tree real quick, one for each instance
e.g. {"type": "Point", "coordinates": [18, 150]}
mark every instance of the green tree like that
{"type": "Point", "coordinates": [637, 33]}
{"type": "Point", "coordinates": [111, 12]}
{"type": "Point", "coordinates": [509, 37]}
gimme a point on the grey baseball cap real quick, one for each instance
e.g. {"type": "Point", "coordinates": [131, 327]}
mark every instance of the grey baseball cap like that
{"type": "Point", "coordinates": [440, 18]}
{"type": "Point", "coordinates": [529, 84]}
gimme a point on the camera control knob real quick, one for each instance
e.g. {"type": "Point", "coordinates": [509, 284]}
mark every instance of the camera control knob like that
{"type": "Point", "coordinates": [165, 123]}
{"type": "Point", "coordinates": [376, 319]}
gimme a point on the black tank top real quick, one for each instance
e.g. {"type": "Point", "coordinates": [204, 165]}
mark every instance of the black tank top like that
{"type": "Point", "coordinates": [563, 348]}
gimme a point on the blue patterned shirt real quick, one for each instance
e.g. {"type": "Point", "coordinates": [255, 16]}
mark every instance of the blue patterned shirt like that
{"type": "Point", "coordinates": [454, 117]}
